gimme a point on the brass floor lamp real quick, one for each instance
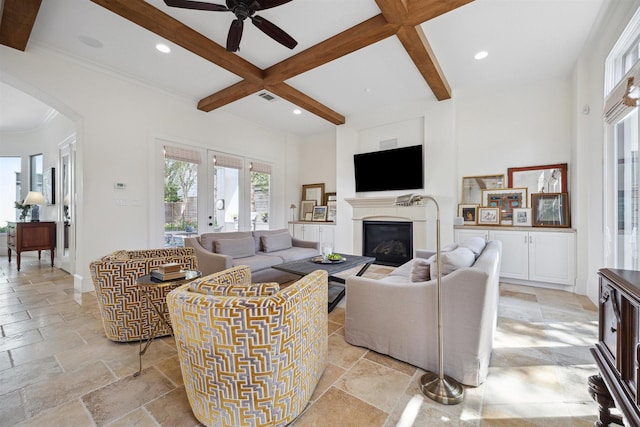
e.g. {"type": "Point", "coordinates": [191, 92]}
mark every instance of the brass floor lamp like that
{"type": "Point", "coordinates": [438, 386]}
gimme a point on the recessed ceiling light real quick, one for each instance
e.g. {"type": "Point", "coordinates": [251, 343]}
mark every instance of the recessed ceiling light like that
{"type": "Point", "coordinates": [90, 41]}
{"type": "Point", "coordinates": [481, 55]}
{"type": "Point", "coordinates": [297, 111]}
{"type": "Point", "coordinates": [163, 48]}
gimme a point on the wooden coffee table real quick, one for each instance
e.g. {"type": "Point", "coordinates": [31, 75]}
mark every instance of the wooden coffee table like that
{"type": "Point", "coordinates": [336, 287]}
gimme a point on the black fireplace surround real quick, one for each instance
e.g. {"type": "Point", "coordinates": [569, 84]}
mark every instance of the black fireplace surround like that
{"type": "Point", "coordinates": [390, 242]}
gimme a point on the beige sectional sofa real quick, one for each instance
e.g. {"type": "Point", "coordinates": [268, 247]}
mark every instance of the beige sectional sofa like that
{"type": "Point", "coordinates": [259, 250]}
{"type": "Point", "coordinates": [398, 317]}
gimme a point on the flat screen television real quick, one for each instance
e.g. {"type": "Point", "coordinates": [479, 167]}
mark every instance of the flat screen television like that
{"type": "Point", "coordinates": [396, 169]}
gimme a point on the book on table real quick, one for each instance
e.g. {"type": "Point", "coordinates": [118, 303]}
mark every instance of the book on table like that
{"type": "Point", "coordinates": [174, 275]}
{"type": "Point", "coordinates": [170, 267]}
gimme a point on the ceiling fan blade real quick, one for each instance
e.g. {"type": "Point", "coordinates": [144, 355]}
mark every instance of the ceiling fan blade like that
{"type": "Point", "coordinates": [267, 4]}
{"type": "Point", "coordinates": [234, 36]}
{"type": "Point", "coordinates": [196, 5]}
{"type": "Point", "coordinates": [273, 31]}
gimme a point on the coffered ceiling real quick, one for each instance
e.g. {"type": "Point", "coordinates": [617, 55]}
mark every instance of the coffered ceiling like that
{"type": "Point", "coordinates": [352, 55]}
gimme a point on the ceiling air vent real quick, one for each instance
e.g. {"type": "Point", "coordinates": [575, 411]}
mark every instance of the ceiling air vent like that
{"type": "Point", "coordinates": [267, 96]}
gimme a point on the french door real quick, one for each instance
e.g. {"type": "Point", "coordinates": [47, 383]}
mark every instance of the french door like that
{"type": "Point", "coordinates": [221, 193]}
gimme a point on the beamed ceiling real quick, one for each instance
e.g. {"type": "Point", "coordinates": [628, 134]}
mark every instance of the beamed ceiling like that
{"type": "Point", "coordinates": [398, 18]}
{"type": "Point", "coordinates": [352, 57]}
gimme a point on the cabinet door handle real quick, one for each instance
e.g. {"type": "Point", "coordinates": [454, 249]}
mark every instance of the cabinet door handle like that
{"type": "Point", "coordinates": [613, 330]}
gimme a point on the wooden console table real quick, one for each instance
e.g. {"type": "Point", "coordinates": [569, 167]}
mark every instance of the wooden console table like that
{"type": "Point", "coordinates": [31, 236]}
{"type": "Point", "coordinates": [617, 352]}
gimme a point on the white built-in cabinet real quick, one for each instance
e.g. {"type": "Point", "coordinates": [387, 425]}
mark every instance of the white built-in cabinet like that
{"type": "Point", "coordinates": [318, 232]}
{"type": "Point", "coordinates": [532, 256]}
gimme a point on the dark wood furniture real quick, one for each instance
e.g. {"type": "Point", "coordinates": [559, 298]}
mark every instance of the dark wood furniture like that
{"type": "Point", "coordinates": [31, 236]}
{"type": "Point", "coordinates": [335, 286]}
{"type": "Point", "coordinates": [617, 352]}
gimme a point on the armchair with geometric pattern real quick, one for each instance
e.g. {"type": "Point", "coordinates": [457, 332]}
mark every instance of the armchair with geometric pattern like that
{"type": "Point", "coordinates": [250, 354]}
{"type": "Point", "coordinates": [114, 276]}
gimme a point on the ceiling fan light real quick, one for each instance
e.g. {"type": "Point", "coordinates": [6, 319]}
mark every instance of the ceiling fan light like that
{"type": "Point", "coordinates": [481, 55]}
{"type": "Point", "coordinates": [163, 48]}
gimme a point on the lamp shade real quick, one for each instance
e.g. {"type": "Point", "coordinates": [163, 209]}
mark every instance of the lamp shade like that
{"type": "Point", "coordinates": [34, 198]}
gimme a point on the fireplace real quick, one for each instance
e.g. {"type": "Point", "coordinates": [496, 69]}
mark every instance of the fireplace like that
{"type": "Point", "coordinates": [390, 242]}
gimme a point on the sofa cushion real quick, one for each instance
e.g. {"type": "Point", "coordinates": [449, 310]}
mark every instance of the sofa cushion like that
{"type": "Point", "coordinates": [257, 262]}
{"type": "Point", "coordinates": [257, 235]}
{"type": "Point", "coordinates": [476, 244]}
{"type": "Point", "coordinates": [236, 248]}
{"type": "Point", "coordinates": [291, 254]}
{"type": "Point", "coordinates": [451, 261]}
{"type": "Point", "coordinates": [207, 240]}
{"type": "Point", "coordinates": [276, 242]}
{"type": "Point", "coordinates": [404, 270]}
{"type": "Point", "coordinates": [420, 270]}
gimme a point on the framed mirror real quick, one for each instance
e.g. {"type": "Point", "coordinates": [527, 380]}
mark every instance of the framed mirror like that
{"type": "Point", "coordinates": [472, 187]}
{"type": "Point", "coordinates": [540, 179]}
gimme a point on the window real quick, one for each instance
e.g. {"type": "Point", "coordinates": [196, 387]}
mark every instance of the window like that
{"type": "Point", "coordinates": [180, 194]}
{"type": "Point", "coordinates": [35, 170]}
{"type": "Point", "coordinates": [10, 186]}
{"type": "Point", "coordinates": [623, 137]}
{"type": "Point", "coordinates": [260, 195]}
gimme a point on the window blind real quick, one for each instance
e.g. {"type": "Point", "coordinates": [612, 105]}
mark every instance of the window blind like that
{"type": "Point", "coordinates": [260, 167]}
{"type": "Point", "coordinates": [618, 103]}
{"type": "Point", "coordinates": [182, 154]}
{"type": "Point", "coordinates": [220, 160]}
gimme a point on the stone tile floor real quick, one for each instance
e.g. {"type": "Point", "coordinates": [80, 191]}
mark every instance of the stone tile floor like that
{"type": "Point", "coordinates": [58, 369]}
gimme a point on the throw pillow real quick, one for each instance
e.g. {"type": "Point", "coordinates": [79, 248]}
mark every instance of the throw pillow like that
{"type": "Point", "coordinates": [276, 242]}
{"type": "Point", "coordinates": [476, 244]}
{"type": "Point", "coordinates": [421, 270]}
{"type": "Point", "coordinates": [451, 261]}
{"type": "Point", "coordinates": [236, 248]}
{"type": "Point", "coordinates": [448, 248]}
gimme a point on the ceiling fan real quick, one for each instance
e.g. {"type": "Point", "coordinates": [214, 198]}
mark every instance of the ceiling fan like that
{"type": "Point", "coordinates": [243, 9]}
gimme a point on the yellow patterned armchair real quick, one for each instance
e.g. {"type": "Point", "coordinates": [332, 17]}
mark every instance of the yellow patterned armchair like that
{"type": "Point", "coordinates": [251, 354]}
{"type": "Point", "coordinates": [114, 276]}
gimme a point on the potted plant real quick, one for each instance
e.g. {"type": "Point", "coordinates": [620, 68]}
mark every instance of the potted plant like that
{"type": "Point", "coordinates": [24, 209]}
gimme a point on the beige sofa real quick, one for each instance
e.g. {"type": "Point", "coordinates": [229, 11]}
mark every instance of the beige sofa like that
{"type": "Point", "coordinates": [398, 317]}
{"type": "Point", "coordinates": [259, 250]}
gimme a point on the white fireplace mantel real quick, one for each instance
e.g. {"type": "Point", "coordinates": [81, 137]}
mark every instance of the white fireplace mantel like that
{"type": "Point", "coordinates": [384, 209]}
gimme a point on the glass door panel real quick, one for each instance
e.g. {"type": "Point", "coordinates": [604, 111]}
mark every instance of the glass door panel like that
{"type": "Point", "coordinates": [226, 192]}
{"type": "Point", "coordinates": [180, 201]}
{"type": "Point", "coordinates": [627, 179]}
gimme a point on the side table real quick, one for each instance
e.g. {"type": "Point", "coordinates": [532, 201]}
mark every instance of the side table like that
{"type": "Point", "coordinates": [146, 284]}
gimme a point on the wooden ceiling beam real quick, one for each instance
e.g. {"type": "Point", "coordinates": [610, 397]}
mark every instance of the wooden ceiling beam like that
{"type": "Point", "coordinates": [420, 11]}
{"type": "Point", "coordinates": [415, 43]}
{"type": "Point", "coordinates": [362, 35]}
{"type": "Point", "coordinates": [18, 18]}
{"type": "Point", "coordinates": [158, 22]}
{"type": "Point", "coordinates": [298, 98]}
{"type": "Point", "coordinates": [229, 95]}
{"type": "Point", "coordinates": [394, 11]}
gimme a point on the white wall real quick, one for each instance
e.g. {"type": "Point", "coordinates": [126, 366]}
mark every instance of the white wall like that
{"type": "Point", "coordinates": [117, 123]}
{"type": "Point", "coordinates": [316, 163]}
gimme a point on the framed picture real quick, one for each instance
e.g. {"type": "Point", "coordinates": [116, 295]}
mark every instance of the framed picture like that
{"type": "Point", "coordinates": [313, 192]}
{"type": "Point", "coordinates": [472, 187]}
{"type": "Point", "coordinates": [505, 199]}
{"type": "Point", "coordinates": [468, 213]}
{"type": "Point", "coordinates": [329, 197]}
{"type": "Point", "coordinates": [49, 186]}
{"type": "Point", "coordinates": [550, 209]}
{"type": "Point", "coordinates": [306, 207]}
{"type": "Point", "coordinates": [522, 217]}
{"type": "Point", "coordinates": [331, 210]}
{"type": "Point", "coordinates": [308, 216]}
{"type": "Point", "coordinates": [488, 216]}
{"type": "Point", "coordinates": [319, 213]}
